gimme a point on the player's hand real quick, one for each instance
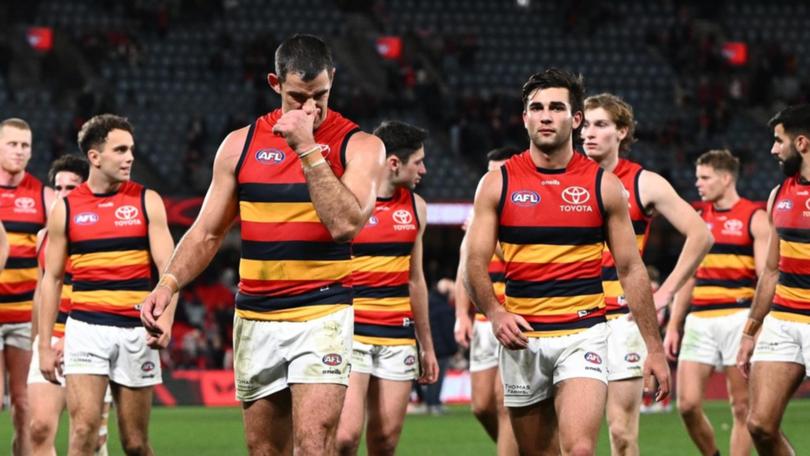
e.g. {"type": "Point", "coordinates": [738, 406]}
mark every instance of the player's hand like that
{"type": "Point", "coordinates": [744, 355]}
{"type": "Point", "coordinates": [59, 348]}
{"type": "Point", "coordinates": [161, 336]}
{"type": "Point", "coordinates": [507, 329]}
{"type": "Point", "coordinates": [656, 375]}
{"type": "Point", "coordinates": [48, 363]}
{"type": "Point", "coordinates": [430, 367]}
{"type": "Point", "coordinates": [297, 127]}
{"type": "Point", "coordinates": [153, 307]}
{"type": "Point", "coordinates": [672, 343]}
{"type": "Point", "coordinates": [662, 299]}
{"type": "Point", "coordinates": [463, 330]}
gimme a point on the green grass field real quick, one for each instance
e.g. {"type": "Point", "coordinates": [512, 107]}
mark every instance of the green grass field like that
{"type": "Point", "coordinates": [201, 431]}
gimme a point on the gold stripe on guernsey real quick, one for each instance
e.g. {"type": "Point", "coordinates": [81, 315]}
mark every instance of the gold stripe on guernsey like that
{"type": "Point", "coordinates": [499, 288]}
{"type": "Point", "coordinates": [557, 333]}
{"type": "Point", "coordinates": [554, 305]}
{"type": "Point", "coordinates": [22, 239]}
{"type": "Point", "coordinates": [19, 306]}
{"type": "Point", "coordinates": [123, 299]}
{"type": "Point", "coordinates": [718, 260]}
{"type": "Point", "coordinates": [715, 312]}
{"type": "Point", "coordinates": [110, 259]}
{"type": "Point", "coordinates": [305, 313]}
{"type": "Point", "coordinates": [792, 293]}
{"type": "Point", "coordinates": [612, 288]}
{"type": "Point", "coordinates": [401, 304]}
{"type": "Point", "coordinates": [59, 327]}
{"type": "Point", "coordinates": [798, 250]}
{"type": "Point", "coordinates": [18, 275]}
{"type": "Point", "coordinates": [380, 263]}
{"type": "Point", "coordinates": [790, 316]}
{"type": "Point", "coordinates": [277, 212]}
{"type": "Point", "coordinates": [294, 270]}
{"type": "Point", "coordinates": [545, 253]}
{"type": "Point", "coordinates": [383, 340]}
{"type": "Point", "coordinates": [640, 242]}
{"type": "Point", "coordinates": [722, 293]}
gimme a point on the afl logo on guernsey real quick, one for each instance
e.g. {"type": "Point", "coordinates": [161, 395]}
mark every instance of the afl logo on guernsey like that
{"type": "Point", "coordinates": [373, 220]}
{"type": "Point", "coordinates": [270, 156]}
{"type": "Point", "coordinates": [332, 359]}
{"type": "Point", "coordinates": [85, 218]}
{"type": "Point", "coordinates": [593, 358]}
{"type": "Point", "coordinates": [784, 205]}
{"type": "Point", "coordinates": [525, 198]}
{"type": "Point", "coordinates": [25, 205]}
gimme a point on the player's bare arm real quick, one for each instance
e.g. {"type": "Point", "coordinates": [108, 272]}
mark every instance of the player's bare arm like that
{"type": "Point", "coordinates": [417, 289]}
{"type": "Point", "coordinates": [635, 282]}
{"type": "Point", "coordinates": [50, 288]}
{"type": "Point", "coordinates": [4, 247]}
{"type": "Point", "coordinates": [658, 194]}
{"type": "Point", "coordinates": [464, 309]}
{"type": "Point", "coordinates": [481, 238]}
{"type": "Point", "coordinates": [49, 197]}
{"type": "Point", "coordinates": [201, 242]}
{"type": "Point", "coordinates": [161, 245]}
{"type": "Point", "coordinates": [343, 205]}
{"type": "Point", "coordinates": [37, 293]}
{"type": "Point", "coordinates": [678, 311]}
{"type": "Point", "coordinates": [763, 297]}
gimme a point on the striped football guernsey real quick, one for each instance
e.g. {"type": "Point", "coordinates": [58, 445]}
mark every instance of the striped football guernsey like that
{"type": "Point", "coordinates": [791, 218]}
{"type": "Point", "coordinates": [381, 257]}
{"type": "Point", "coordinates": [551, 233]}
{"type": "Point", "coordinates": [291, 269]}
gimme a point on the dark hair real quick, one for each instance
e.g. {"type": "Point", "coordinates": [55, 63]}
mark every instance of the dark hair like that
{"type": "Point", "coordinates": [502, 153]}
{"type": "Point", "coordinates": [721, 160]}
{"type": "Point", "coordinates": [794, 119]}
{"type": "Point", "coordinates": [306, 55]}
{"type": "Point", "coordinates": [70, 163]}
{"type": "Point", "coordinates": [400, 139]}
{"type": "Point", "coordinates": [621, 113]}
{"type": "Point", "coordinates": [94, 132]}
{"type": "Point", "coordinates": [16, 123]}
{"type": "Point", "coordinates": [554, 77]}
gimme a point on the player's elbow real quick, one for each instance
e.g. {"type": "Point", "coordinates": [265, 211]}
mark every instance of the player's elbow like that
{"type": "Point", "coordinates": [344, 232]}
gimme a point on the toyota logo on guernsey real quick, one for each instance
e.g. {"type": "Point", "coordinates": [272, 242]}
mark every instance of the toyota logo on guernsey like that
{"type": "Point", "coordinates": [403, 220]}
{"type": "Point", "coordinates": [270, 156]}
{"type": "Point", "coordinates": [525, 198]}
{"type": "Point", "coordinates": [25, 205]}
{"type": "Point", "coordinates": [576, 197]}
{"type": "Point", "coordinates": [733, 227]}
{"type": "Point", "coordinates": [127, 216]}
{"type": "Point", "coordinates": [85, 218]}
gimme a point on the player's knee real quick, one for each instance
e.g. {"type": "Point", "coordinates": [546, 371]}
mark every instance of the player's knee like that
{"type": "Point", "coordinates": [348, 442]}
{"type": "Point", "coordinates": [582, 448]}
{"type": "Point", "coordinates": [384, 442]}
{"type": "Point", "coordinates": [135, 445]}
{"type": "Point", "coordinates": [760, 429]}
{"type": "Point", "coordinates": [689, 408]}
{"type": "Point", "coordinates": [621, 437]}
{"type": "Point", "coordinates": [739, 410]}
{"type": "Point", "coordinates": [42, 431]}
{"type": "Point", "coordinates": [482, 411]}
{"type": "Point", "coordinates": [83, 434]}
{"type": "Point", "coordinates": [319, 439]}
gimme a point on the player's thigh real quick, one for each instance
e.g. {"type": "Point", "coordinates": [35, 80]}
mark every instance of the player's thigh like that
{"type": "Point", "coordinates": [84, 395]}
{"type": "Point", "coordinates": [354, 406]}
{"type": "Point", "coordinates": [133, 408]}
{"type": "Point", "coordinates": [624, 400]}
{"type": "Point", "coordinates": [736, 385]}
{"type": "Point", "coordinates": [535, 427]}
{"type": "Point", "coordinates": [46, 402]}
{"type": "Point", "coordinates": [772, 384]}
{"type": "Point", "coordinates": [387, 402]}
{"type": "Point", "coordinates": [316, 408]}
{"type": "Point", "coordinates": [17, 362]}
{"type": "Point", "coordinates": [483, 386]}
{"type": "Point", "coordinates": [692, 378]}
{"type": "Point", "coordinates": [580, 405]}
{"type": "Point", "coordinates": [269, 421]}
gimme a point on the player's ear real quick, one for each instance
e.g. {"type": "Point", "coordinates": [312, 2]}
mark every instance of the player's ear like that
{"type": "Point", "coordinates": [274, 82]}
